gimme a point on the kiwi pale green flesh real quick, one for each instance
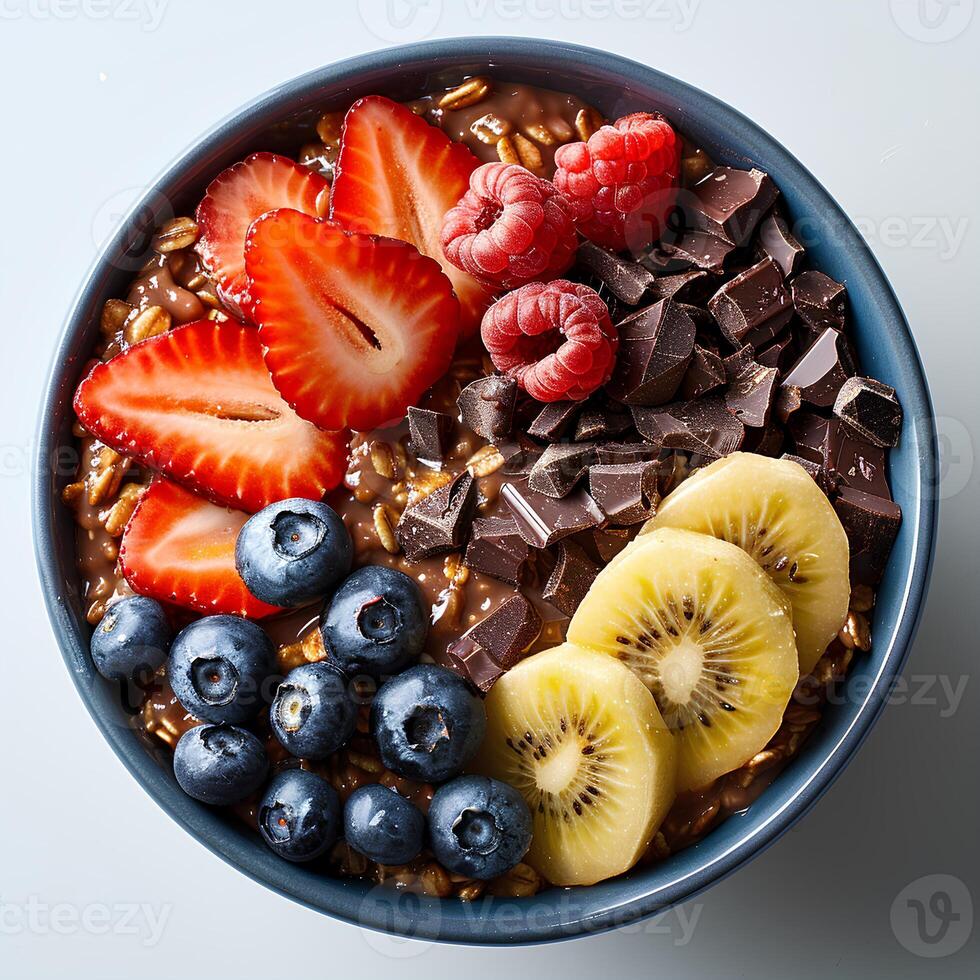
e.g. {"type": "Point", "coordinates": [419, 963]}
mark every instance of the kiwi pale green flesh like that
{"type": "Point", "coordinates": [582, 739]}
{"type": "Point", "coordinates": [773, 510]}
{"type": "Point", "coordinates": [708, 633]}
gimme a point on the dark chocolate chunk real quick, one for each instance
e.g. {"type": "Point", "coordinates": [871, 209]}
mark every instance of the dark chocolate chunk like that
{"type": "Point", "coordinates": [628, 281]}
{"type": "Point", "coordinates": [627, 492]}
{"type": "Point", "coordinates": [497, 549]}
{"type": "Point", "coordinates": [544, 520]}
{"type": "Point", "coordinates": [497, 643]}
{"type": "Point", "coordinates": [439, 522]}
{"type": "Point", "coordinates": [871, 524]}
{"type": "Point", "coordinates": [430, 433]}
{"type": "Point", "coordinates": [778, 354]}
{"type": "Point", "coordinates": [520, 454]}
{"type": "Point", "coordinates": [766, 441]}
{"type": "Point", "coordinates": [610, 541]}
{"type": "Point", "coordinates": [751, 393]}
{"type": "Point", "coordinates": [704, 427]}
{"type": "Point", "coordinates": [871, 409]}
{"type": "Point", "coordinates": [754, 306]}
{"type": "Point", "coordinates": [788, 401]}
{"type": "Point", "coordinates": [602, 419]}
{"type": "Point", "coordinates": [571, 578]}
{"type": "Point", "coordinates": [560, 467]}
{"type": "Point", "coordinates": [846, 460]}
{"type": "Point", "coordinates": [625, 452]}
{"type": "Point", "coordinates": [777, 242]}
{"type": "Point", "coordinates": [822, 370]}
{"type": "Point", "coordinates": [820, 302]}
{"type": "Point", "coordinates": [698, 249]}
{"type": "Point", "coordinates": [487, 406]}
{"type": "Point", "coordinates": [553, 420]}
{"type": "Point", "coordinates": [818, 473]}
{"type": "Point", "coordinates": [693, 286]}
{"type": "Point", "coordinates": [705, 373]}
{"type": "Point", "coordinates": [729, 203]}
{"type": "Point", "coordinates": [655, 347]}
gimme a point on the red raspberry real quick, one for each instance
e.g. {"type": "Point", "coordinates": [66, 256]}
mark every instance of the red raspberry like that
{"type": "Point", "coordinates": [509, 228]}
{"type": "Point", "coordinates": [555, 339]}
{"type": "Point", "coordinates": [621, 185]}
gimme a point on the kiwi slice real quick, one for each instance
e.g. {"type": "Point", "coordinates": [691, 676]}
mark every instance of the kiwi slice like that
{"type": "Point", "coordinates": [773, 510]}
{"type": "Point", "coordinates": [708, 633]}
{"type": "Point", "coordinates": [582, 740]}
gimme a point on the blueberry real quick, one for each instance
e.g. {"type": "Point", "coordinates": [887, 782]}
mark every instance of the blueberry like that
{"type": "Point", "coordinates": [427, 722]}
{"type": "Point", "coordinates": [313, 713]}
{"type": "Point", "coordinates": [219, 764]}
{"type": "Point", "coordinates": [293, 551]}
{"type": "Point", "coordinates": [479, 827]}
{"type": "Point", "coordinates": [383, 826]}
{"type": "Point", "coordinates": [376, 623]}
{"type": "Point", "coordinates": [217, 666]}
{"type": "Point", "coordinates": [132, 638]}
{"type": "Point", "coordinates": [299, 816]}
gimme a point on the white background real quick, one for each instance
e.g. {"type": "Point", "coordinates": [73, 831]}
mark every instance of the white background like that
{"type": "Point", "coordinates": [878, 99]}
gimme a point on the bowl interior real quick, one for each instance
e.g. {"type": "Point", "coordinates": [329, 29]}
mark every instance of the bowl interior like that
{"type": "Point", "coordinates": [616, 86]}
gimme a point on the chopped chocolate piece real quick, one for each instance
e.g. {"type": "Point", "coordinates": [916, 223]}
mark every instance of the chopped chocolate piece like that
{"type": "Point", "coordinates": [519, 454]}
{"type": "Point", "coordinates": [487, 406]}
{"type": "Point", "coordinates": [729, 203]}
{"type": "Point", "coordinates": [610, 541]}
{"type": "Point", "coordinates": [553, 420]}
{"type": "Point", "coordinates": [439, 522]}
{"type": "Point", "coordinates": [655, 347]}
{"type": "Point", "coordinates": [767, 441]}
{"type": "Point", "coordinates": [698, 248]}
{"type": "Point", "coordinates": [625, 452]}
{"type": "Point", "coordinates": [693, 286]}
{"type": "Point", "coordinates": [871, 524]}
{"type": "Point", "coordinates": [571, 579]}
{"type": "Point", "coordinates": [560, 467]}
{"type": "Point", "coordinates": [602, 419]}
{"type": "Point", "coordinates": [430, 433]}
{"type": "Point", "coordinates": [497, 643]}
{"type": "Point", "coordinates": [871, 409]}
{"type": "Point", "coordinates": [627, 492]}
{"type": "Point", "coordinates": [818, 473]}
{"type": "Point", "coordinates": [822, 370]}
{"type": "Point", "coordinates": [704, 427]}
{"type": "Point", "coordinates": [705, 373]}
{"type": "Point", "coordinates": [751, 392]}
{"type": "Point", "coordinates": [820, 302]}
{"type": "Point", "coordinates": [777, 242]}
{"type": "Point", "coordinates": [754, 306]}
{"type": "Point", "coordinates": [497, 549]}
{"type": "Point", "coordinates": [543, 520]}
{"type": "Point", "coordinates": [779, 354]}
{"type": "Point", "coordinates": [788, 400]}
{"type": "Point", "coordinates": [845, 459]}
{"type": "Point", "coordinates": [703, 320]}
{"type": "Point", "coordinates": [628, 281]}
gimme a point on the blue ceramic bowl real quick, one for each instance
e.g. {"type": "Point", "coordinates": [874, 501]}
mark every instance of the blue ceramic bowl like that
{"type": "Point", "coordinates": [886, 348]}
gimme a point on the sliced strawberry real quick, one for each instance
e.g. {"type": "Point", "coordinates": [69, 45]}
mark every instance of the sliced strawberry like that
{"type": "Point", "coordinates": [198, 405]}
{"type": "Point", "coordinates": [180, 548]}
{"type": "Point", "coordinates": [354, 327]}
{"type": "Point", "coordinates": [234, 199]}
{"type": "Point", "coordinates": [397, 176]}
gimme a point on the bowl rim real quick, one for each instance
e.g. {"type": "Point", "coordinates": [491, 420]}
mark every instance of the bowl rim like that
{"type": "Point", "coordinates": [347, 903]}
